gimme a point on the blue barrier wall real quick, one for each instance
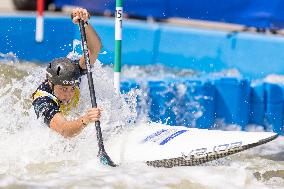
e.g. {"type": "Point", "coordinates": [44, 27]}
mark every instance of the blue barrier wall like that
{"type": "Point", "coordinates": [254, 55]}
{"type": "Point", "coordinates": [257, 104]}
{"type": "Point", "coordinates": [181, 47]}
{"type": "Point", "coordinates": [200, 103]}
{"type": "Point", "coordinates": [274, 107]}
{"type": "Point", "coordinates": [232, 100]}
{"type": "Point", "coordinates": [189, 103]}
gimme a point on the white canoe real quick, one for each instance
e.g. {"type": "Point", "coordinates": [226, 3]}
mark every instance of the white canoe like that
{"type": "Point", "coordinates": [167, 146]}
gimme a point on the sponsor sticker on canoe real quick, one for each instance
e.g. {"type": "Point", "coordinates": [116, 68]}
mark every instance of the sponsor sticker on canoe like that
{"type": "Point", "coordinates": [163, 136]}
{"type": "Point", "coordinates": [217, 149]}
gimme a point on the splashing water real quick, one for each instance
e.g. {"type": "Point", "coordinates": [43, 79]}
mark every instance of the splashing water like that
{"type": "Point", "coordinates": [34, 156]}
{"type": "Point", "coordinates": [27, 142]}
{"type": "Point", "coordinates": [74, 55]}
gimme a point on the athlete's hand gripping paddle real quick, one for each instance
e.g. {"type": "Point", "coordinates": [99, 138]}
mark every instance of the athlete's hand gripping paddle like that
{"type": "Point", "coordinates": [104, 158]}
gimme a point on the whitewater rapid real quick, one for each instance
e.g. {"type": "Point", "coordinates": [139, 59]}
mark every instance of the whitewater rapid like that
{"type": "Point", "coordinates": [33, 156]}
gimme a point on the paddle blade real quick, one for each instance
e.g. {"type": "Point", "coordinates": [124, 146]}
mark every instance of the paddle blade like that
{"type": "Point", "coordinates": [105, 159]}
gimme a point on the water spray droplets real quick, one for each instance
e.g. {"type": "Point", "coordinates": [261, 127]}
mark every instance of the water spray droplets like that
{"type": "Point", "coordinates": [74, 55]}
{"type": "Point", "coordinates": [9, 58]}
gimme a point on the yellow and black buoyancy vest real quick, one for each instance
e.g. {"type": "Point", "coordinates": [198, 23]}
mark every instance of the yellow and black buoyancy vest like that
{"type": "Point", "coordinates": [64, 108]}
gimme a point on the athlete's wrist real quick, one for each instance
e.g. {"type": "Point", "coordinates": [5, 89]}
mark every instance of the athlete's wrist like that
{"type": "Point", "coordinates": [83, 121]}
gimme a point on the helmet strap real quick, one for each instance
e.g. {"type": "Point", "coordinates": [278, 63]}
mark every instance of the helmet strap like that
{"type": "Point", "coordinates": [52, 86]}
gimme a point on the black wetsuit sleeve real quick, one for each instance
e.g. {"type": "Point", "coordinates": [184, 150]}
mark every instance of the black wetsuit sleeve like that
{"type": "Point", "coordinates": [46, 108]}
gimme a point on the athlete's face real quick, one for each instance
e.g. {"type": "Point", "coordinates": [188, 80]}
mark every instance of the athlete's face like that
{"type": "Point", "coordinates": [64, 93]}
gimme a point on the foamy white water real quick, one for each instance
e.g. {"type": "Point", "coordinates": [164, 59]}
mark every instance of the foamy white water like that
{"type": "Point", "coordinates": [33, 156]}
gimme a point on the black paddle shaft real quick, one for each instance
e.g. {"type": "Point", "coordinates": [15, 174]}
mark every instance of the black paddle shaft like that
{"type": "Point", "coordinates": [102, 153]}
{"type": "Point", "coordinates": [87, 62]}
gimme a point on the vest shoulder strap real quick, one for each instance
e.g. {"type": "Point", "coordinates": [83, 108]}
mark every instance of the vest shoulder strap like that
{"type": "Point", "coordinates": [40, 93]}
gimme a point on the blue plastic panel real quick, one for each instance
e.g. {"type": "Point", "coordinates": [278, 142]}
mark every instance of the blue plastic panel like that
{"type": "Point", "coordinates": [256, 55]}
{"type": "Point", "coordinates": [161, 102]}
{"type": "Point", "coordinates": [197, 105]}
{"type": "Point", "coordinates": [186, 103]}
{"type": "Point", "coordinates": [257, 104]}
{"type": "Point", "coordinates": [274, 107]}
{"type": "Point", "coordinates": [232, 100]}
{"type": "Point", "coordinates": [185, 47]}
